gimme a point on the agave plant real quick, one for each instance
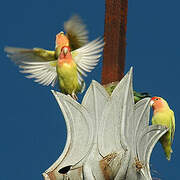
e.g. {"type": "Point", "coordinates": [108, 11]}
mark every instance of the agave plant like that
{"type": "Point", "coordinates": [108, 137]}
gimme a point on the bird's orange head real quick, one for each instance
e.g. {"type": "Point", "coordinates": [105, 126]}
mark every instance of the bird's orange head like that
{"type": "Point", "coordinates": [158, 103]}
{"type": "Point", "coordinates": [61, 40]}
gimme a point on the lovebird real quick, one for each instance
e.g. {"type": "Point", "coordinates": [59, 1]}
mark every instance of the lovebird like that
{"type": "Point", "coordinates": [163, 115]}
{"type": "Point", "coordinates": [44, 66]}
{"type": "Point", "coordinates": [137, 96]}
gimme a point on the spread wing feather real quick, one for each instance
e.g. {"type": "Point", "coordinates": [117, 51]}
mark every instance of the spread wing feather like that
{"type": "Point", "coordinates": [39, 63]}
{"type": "Point", "coordinates": [87, 57]}
{"type": "Point", "coordinates": [43, 72]}
{"type": "Point", "coordinates": [29, 55]}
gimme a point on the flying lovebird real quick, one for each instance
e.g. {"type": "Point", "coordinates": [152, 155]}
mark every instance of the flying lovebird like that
{"type": "Point", "coordinates": [137, 95]}
{"type": "Point", "coordinates": [164, 116]}
{"type": "Point", "coordinates": [69, 63]}
{"type": "Point", "coordinates": [72, 57]}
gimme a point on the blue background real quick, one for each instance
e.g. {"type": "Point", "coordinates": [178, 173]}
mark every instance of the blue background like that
{"type": "Point", "coordinates": [32, 130]}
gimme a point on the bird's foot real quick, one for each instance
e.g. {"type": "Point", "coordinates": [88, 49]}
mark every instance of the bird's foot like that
{"type": "Point", "coordinates": [73, 95]}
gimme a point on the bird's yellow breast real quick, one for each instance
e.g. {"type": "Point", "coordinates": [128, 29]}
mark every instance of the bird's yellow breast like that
{"type": "Point", "coordinates": [162, 118]}
{"type": "Point", "coordinates": [68, 77]}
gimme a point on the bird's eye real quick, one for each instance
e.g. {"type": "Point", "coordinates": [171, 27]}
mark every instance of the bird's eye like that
{"type": "Point", "coordinates": [156, 99]}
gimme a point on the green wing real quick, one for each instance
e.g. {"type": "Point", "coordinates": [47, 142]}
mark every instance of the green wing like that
{"type": "Point", "coordinates": [19, 55]}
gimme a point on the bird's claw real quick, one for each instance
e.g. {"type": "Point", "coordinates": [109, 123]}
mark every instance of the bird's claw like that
{"type": "Point", "coordinates": [73, 95]}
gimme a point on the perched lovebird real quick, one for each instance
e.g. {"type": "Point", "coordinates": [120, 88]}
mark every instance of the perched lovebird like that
{"type": "Point", "coordinates": [137, 96]}
{"type": "Point", "coordinates": [46, 66]}
{"type": "Point", "coordinates": [164, 116]}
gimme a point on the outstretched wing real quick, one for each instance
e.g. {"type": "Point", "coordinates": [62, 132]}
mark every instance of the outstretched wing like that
{"type": "Point", "coordinates": [76, 32]}
{"type": "Point", "coordinates": [29, 55]}
{"type": "Point", "coordinates": [39, 63]}
{"type": "Point", "coordinates": [88, 56]}
{"type": "Point", "coordinates": [43, 72]}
